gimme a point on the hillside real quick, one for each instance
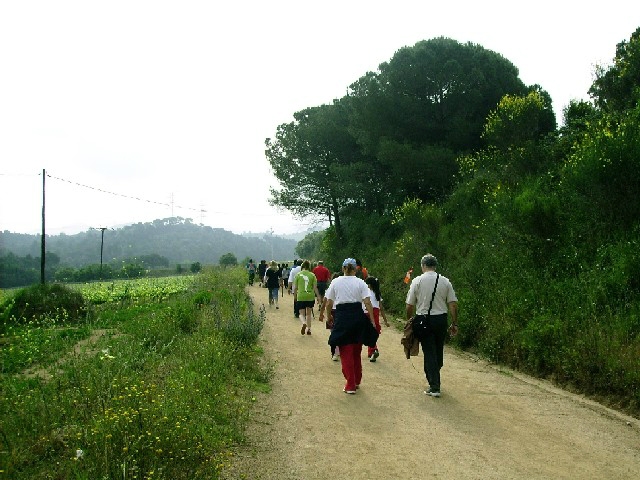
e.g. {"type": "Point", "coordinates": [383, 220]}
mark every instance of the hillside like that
{"type": "Point", "coordinates": [177, 239]}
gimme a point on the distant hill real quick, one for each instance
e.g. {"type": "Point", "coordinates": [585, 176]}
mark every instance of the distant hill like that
{"type": "Point", "coordinates": [176, 238]}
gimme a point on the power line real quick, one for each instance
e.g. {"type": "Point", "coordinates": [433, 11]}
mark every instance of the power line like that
{"type": "Point", "coordinates": [131, 197]}
{"type": "Point", "coordinates": [153, 202]}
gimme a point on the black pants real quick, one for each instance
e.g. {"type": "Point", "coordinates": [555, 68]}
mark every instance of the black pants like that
{"type": "Point", "coordinates": [432, 334]}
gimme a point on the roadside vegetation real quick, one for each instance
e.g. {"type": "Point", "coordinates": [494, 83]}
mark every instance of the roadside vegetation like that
{"type": "Point", "coordinates": [156, 382]}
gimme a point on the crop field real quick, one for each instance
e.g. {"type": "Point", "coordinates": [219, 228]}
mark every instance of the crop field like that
{"type": "Point", "coordinates": [155, 381]}
{"type": "Point", "coordinates": [136, 291]}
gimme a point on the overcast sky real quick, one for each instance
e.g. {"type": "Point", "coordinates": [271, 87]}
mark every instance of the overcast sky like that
{"type": "Point", "coordinates": [170, 102]}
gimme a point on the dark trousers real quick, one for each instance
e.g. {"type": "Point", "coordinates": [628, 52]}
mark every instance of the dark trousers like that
{"type": "Point", "coordinates": [432, 335]}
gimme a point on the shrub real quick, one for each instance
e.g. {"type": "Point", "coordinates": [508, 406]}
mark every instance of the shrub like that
{"type": "Point", "coordinates": [43, 301]}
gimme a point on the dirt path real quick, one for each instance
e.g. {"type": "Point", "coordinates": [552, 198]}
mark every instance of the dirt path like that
{"type": "Point", "coordinates": [490, 423]}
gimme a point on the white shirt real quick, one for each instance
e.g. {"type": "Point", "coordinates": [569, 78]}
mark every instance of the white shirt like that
{"type": "Point", "coordinates": [374, 301]}
{"type": "Point", "coordinates": [292, 275]}
{"type": "Point", "coordinates": [347, 289]}
{"type": "Point", "coordinates": [421, 290]}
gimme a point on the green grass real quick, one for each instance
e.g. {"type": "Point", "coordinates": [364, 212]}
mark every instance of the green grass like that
{"type": "Point", "coordinates": [164, 393]}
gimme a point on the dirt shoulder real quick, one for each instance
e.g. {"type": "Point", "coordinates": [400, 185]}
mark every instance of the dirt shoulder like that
{"type": "Point", "coordinates": [490, 423]}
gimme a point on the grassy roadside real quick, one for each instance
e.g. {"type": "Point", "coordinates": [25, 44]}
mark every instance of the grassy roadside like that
{"type": "Point", "coordinates": [163, 393]}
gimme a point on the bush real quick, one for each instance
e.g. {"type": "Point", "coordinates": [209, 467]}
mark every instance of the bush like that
{"type": "Point", "coordinates": [44, 301]}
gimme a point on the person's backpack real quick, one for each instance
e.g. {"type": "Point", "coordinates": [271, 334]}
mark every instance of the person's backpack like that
{"type": "Point", "coordinates": [252, 268]}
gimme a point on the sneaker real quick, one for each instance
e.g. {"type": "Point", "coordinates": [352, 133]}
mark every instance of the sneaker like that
{"type": "Point", "coordinates": [350, 392]}
{"type": "Point", "coordinates": [309, 332]}
{"type": "Point", "coordinates": [375, 355]}
{"type": "Point", "coordinates": [335, 358]}
{"type": "Point", "coordinates": [277, 307]}
{"type": "Point", "coordinates": [432, 393]}
{"type": "Point", "coordinates": [303, 329]}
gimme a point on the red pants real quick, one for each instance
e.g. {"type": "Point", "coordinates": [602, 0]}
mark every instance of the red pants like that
{"type": "Point", "coordinates": [351, 364]}
{"type": "Point", "coordinates": [376, 319]}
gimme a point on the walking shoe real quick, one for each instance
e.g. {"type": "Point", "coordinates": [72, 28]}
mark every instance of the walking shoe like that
{"type": "Point", "coordinates": [374, 356]}
{"type": "Point", "coordinates": [309, 332]}
{"type": "Point", "coordinates": [335, 358]}
{"type": "Point", "coordinates": [432, 393]}
{"type": "Point", "coordinates": [350, 392]}
{"type": "Point", "coordinates": [277, 307]}
{"type": "Point", "coordinates": [303, 329]}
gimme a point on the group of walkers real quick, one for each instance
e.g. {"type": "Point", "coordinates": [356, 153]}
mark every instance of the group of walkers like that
{"type": "Point", "coordinates": [352, 303]}
{"type": "Point", "coordinates": [272, 276]}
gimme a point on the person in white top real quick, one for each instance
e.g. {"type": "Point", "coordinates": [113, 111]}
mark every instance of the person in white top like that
{"type": "Point", "coordinates": [351, 328]}
{"type": "Point", "coordinates": [430, 296]}
{"type": "Point", "coordinates": [297, 266]}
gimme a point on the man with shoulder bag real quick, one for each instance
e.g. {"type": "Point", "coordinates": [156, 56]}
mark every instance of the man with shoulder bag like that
{"type": "Point", "coordinates": [430, 297]}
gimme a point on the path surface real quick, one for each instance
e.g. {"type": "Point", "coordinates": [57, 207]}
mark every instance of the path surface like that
{"type": "Point", "coordinates": [490, 423]}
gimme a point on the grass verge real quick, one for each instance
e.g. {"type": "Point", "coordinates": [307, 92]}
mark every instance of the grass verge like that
{"type": "Point", "coordinates": [164, 393]}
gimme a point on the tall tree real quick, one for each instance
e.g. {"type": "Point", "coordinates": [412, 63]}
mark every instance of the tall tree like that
{"type": "Point", "coordinates": [425, 107]}
{"type": "Point", "coordinates": [314, 158]}
{"type": "Point", "coordinates": [618, 88]}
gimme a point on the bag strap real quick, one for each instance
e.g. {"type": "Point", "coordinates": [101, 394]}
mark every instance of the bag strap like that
{"type": "Point", "coordinates": [433, 295]}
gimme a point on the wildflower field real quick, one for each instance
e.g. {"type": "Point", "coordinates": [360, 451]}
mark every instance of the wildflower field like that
{"type": "Point", "coordinates": [155, 380]}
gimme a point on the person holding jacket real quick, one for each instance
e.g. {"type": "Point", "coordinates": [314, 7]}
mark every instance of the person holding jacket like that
{"type": "Point", "coordinates": [430, 296]}
{"type": "Point", "coordinates": [351, 327]}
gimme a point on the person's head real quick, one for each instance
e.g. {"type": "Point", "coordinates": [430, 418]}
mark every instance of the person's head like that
{"type": "Point", "coordinates": [374, 285]}
{"type": "Point", "coordinates": [428, 262]}
{"type": "Point", "coordinates": [358, 263]}
{"type": "Point", "coordinates": [306, 265]}
{"type": "Point", "coordinates": [349, 266]}
{"type": "Point", "coordinates": [273, 264]}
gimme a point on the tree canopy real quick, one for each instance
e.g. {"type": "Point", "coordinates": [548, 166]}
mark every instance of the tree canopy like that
{"type": "Point", "coordinates": [395, 135]}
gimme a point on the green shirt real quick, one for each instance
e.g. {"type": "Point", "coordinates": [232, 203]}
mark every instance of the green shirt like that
{"type": "Point", "coordinates": [305, 282]}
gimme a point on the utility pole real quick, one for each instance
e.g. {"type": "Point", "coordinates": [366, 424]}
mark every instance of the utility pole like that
{"type": "Point", "coordinates": [101, 247]}
{"type": "Point", "coordinates": [42, 242]}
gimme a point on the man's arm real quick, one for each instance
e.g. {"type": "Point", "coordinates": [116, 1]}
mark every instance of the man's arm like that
{"type": "Point", "coordinates": [453, 311]}
{"type": "Point", "coordinates": [409, 311]}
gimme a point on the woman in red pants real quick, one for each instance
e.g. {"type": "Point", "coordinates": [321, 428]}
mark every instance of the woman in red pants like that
{"type": "Point", "coordinates": [351, 327]}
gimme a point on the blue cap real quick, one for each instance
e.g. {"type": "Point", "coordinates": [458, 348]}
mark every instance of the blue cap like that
{"type": "Point", "coordinates": [349, 261]}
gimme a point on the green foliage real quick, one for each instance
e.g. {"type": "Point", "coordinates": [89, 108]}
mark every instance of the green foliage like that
{"type": "Point", "coordinates": [43, 302]}
{"type": "Point", "coordinates": [617, 88]}
{"type": "Point", "coordinates": [310, 245]}
{"type": "Point", "coordinates": [395, 135]}
{"type": "Point", "coordinates": [228, 260]}
{"type": "Point", "coordinates": [519, 120]}
{"type": "Point", "coordinates": [159, 396]}
{"type": "Point", "coordinates": [604, 170]}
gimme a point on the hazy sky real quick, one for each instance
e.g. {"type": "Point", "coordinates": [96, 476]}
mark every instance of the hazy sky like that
{"type": "Point", "coordinates": [170, 101]}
